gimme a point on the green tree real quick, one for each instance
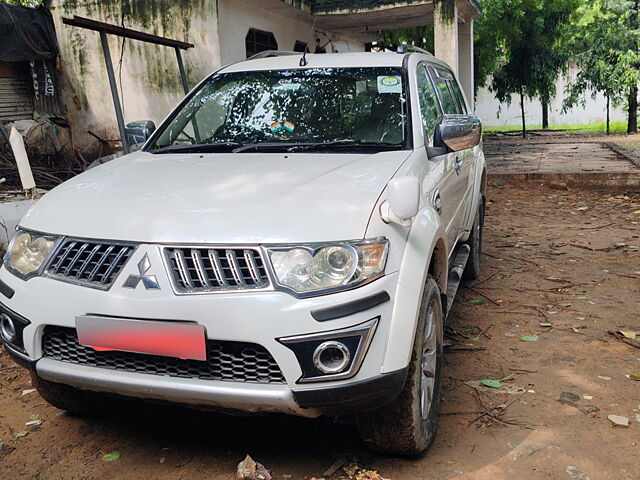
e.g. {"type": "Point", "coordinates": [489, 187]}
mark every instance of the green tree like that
{"type": "Point", "coordinates": [605, 42]}
{"type": "Point", "coordinates": [25, 3]}
{"type": "Point", "coordinates": [533, 51]}
{"type": "Point", "coordinates": [421, 37]}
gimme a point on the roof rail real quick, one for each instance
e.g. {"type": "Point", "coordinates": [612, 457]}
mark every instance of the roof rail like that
{"type": "Point", "coordinates": [405, 48]}
{"type": "Point", "coordinates": [272, 53]}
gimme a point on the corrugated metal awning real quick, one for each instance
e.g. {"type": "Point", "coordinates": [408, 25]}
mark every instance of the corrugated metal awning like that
{"type": "Point", "coordinates": [15, 100]}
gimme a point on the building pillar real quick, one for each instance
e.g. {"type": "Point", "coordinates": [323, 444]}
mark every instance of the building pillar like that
{"type": "Point", "coordinates": [445, 25]}
{"type": "Point", "coordinates": [465, 60]}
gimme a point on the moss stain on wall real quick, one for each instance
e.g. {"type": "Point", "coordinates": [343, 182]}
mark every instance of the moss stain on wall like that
{"type": "Point", "coordinates": [167, 18]}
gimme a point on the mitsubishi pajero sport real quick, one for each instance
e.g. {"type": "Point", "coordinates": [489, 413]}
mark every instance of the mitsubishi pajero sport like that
{"type": "Point", "coordinates": [290, 239]}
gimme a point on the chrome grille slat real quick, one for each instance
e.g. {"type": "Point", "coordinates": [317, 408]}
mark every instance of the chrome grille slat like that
{"type": "Point", "coordinates": [90, 263]}
{"type": "Point", "coordinates": [101, 262]}
{"type": "Point", "coordinates": [178, 256]}
{"type": "Point", "coordinates": [217, 268]}
{"type": "Point", "coordinates": [75, 258]}
{"type": "Point", "coordinates": [114, 264]}
{"type": "Point", "coordinates": [250, 258]}
{"type": "Point", "coordinates": [235, 267]}
{"type": "Point", "coordinates": [64, 256]}
{"type": "Point", "coordinates": [87, 262]}
{"type": "Point", "coordinates": [202, 270]}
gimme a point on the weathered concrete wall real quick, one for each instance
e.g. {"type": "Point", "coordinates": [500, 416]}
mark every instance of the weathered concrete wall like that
{"type": "Point", "coordinates": [495, 114]}
{"type": "Point", "coordinates": [149, 80]}
{"type": "Point", "coordinates": [149, 77]}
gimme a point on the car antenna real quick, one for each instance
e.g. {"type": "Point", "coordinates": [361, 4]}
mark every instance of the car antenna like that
{"type": "Point", "coordinates": [303, 60]}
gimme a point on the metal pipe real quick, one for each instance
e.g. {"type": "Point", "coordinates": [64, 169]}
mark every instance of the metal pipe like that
{"type": "Point", "coordinates": [114, 90]}
{"type": "Point", "coordinates": [185, 86]}
{"type": "Point", "coordinates": [183, 74]}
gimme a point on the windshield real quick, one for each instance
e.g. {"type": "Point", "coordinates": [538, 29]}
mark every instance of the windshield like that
{"type": "Point", "coordinates": [309, 108]}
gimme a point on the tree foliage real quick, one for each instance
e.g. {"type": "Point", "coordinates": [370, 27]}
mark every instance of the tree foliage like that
{"type": "Point", "coordinates": [25, 3]}
{"type": "Point", "coordinates": [529, 35]}
{"type": "Point", "coordinates": [605, 45]}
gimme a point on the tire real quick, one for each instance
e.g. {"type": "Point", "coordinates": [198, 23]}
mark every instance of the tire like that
{"type": "Point", "coordinates": [67, 398]}
{"type": "Point", "coordinates": [472, 269]}
{"type": "Point", "coordinates": [408, 425]}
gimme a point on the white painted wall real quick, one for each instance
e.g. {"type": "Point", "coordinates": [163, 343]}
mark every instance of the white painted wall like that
{"type": "Point", "coordinates": [287, 24]}
{"type": "Point", "coordinates": [495, 114]}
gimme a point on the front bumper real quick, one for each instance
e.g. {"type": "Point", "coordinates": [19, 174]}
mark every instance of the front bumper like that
{"type": "Point", "coordinates": [257, 317]}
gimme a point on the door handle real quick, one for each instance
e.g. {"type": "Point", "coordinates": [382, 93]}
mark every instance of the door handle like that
{"type": "Point", "coordinates": [458, 164]}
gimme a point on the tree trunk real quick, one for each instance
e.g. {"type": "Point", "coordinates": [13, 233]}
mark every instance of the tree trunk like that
{"type": "Point", "coordinates": [632, 124]}
{"type": "Point", "coordinates": [545, 114]}
{"type": "Point", "coordinates": [524, 122]}
{"type": "Point", "coordinates": [608, 114]}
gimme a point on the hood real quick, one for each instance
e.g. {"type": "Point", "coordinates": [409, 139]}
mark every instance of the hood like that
{"type": "Point", "coordinates": [219, 198]}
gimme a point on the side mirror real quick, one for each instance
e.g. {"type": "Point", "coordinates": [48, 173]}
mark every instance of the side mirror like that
{"type": "Point", "coordinates": [458, 132]}
{"type": "Point", "coordinates": [403, 201]}
{"type": "Point", "coordinates": [138, 132]}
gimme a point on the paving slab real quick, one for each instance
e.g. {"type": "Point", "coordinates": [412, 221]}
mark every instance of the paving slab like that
{"type": "Point", "coordinates": [590, 165]}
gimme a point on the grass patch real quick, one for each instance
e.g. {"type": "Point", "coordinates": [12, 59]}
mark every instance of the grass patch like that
{"type": "Point", "coordinates": [595, 128]}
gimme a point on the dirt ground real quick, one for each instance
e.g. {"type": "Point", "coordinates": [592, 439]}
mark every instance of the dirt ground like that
{"type": "Point", "coordinates": [561, 265]}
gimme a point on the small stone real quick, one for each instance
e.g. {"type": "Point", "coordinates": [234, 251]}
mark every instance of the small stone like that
{"type": "Point", "coordinates": [558, 185]}
{"type": "Point", "coordinates": [575, 473]}
{"type": "Point", "coordinates": [619, 421]}
{"type": "Point", "coordinates": [601, 377]}
{"type": "Point", "coordinates": [588, 397]}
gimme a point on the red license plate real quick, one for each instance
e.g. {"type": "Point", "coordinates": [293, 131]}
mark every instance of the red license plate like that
{"type": "Point", "coordinates": [169, 339]}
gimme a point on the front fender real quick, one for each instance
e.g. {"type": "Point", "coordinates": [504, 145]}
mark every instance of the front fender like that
{"type": "Point", "coordinates": [425, 236]}
{"type": "Point", "coordinates": [479, 188]}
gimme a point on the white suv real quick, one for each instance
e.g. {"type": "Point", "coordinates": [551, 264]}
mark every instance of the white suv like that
{"type": "Point", "coordinates": [290, 239]}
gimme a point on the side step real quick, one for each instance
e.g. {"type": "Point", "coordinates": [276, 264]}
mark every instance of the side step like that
{"type": "Point", "coordinates": [455, 274]}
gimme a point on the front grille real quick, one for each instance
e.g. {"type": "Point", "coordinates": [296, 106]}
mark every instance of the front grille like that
{"type": "Point", "coordinates": [88, 262]}
{"type": "Point", "coordinates": [226, 361]}
{"type": "Point", "coordinates": [196, 270]}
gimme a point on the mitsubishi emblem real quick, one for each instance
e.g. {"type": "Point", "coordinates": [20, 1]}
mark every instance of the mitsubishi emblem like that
{"type": "Point", "coordinates": [150, 282]}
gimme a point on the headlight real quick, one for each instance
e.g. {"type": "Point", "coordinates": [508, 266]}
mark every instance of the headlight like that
{"type": "Point", "coordinates": [28, 252]}
{"type": "Point", "coordinates": [308, 269]}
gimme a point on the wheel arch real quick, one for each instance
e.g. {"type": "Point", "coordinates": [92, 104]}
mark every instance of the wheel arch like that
{"type": "Point", "coordinates": [425, 253]}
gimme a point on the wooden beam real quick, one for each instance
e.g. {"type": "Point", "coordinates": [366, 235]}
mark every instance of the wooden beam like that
{"type": "Point", "coordinates": [89, 24]}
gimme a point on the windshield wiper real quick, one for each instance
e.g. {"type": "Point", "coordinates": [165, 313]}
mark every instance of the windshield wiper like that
{"type": "Point", "coordinates": [198, 148]}
{"type": "Point", "coordinates": [347, 143]}
{"type": "Point", "coordinates": [290, 146]}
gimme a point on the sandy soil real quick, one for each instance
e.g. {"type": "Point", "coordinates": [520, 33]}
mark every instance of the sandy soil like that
{"type": "Point", "coordinates": [563, 258]}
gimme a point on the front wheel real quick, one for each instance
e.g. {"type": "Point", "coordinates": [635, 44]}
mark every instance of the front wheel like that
{"type": "Point", "coordinates": [407, 426]}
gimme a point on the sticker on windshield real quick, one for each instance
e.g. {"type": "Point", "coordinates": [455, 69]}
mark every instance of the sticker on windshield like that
{"type": "Point", "coordinates": [275, 127]}
{"type": "Point", "coordinates": [288, 86]}
{"type": "Point", "coordinates": [389, 84]}
{"type": "Point", "coordinates": [289, 127]}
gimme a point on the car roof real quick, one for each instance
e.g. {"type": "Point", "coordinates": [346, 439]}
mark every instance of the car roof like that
{"type": "Point", "coordinates": [287, 61]}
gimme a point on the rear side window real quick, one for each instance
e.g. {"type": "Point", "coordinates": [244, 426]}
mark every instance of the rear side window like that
{"type": "Point", "coordinates": [429, 107]}
{"type": "Point", "coordinates": [443, 80]}
{"type": "Point", "coordinates": [458, 94]}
